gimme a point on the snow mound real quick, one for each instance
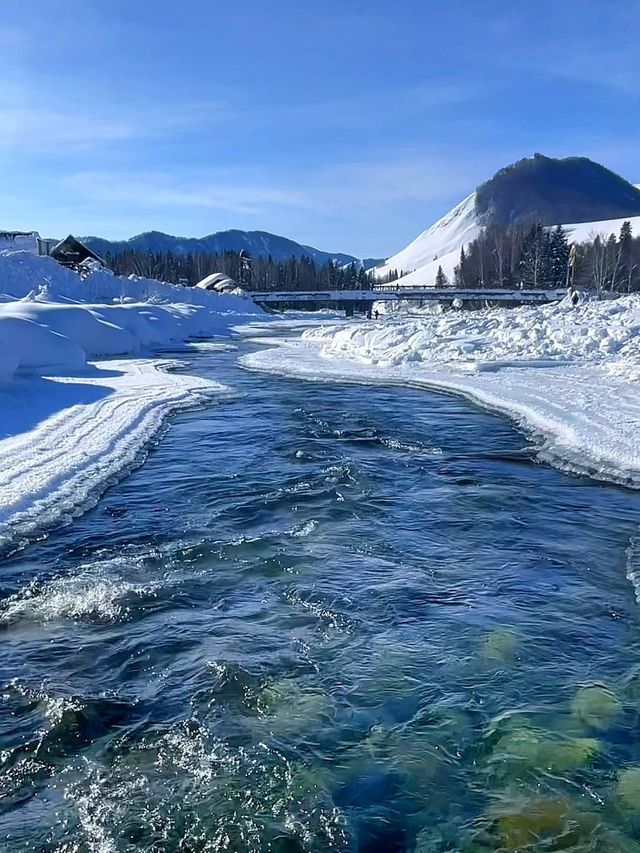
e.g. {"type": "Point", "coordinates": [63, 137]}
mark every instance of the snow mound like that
{"type": "Point", "coordinates": [26, 346]}
{"type": "Point", "coordinates": [53, 321]}
{"type": "Point", "coordinates": [594, 332]}
{"type": "Point", "coordinates": [23, 274]}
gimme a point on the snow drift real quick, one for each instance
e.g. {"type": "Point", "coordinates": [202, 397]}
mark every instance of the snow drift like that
{"type": "Point", "coordinates": [596, 332]}
{"type": "Point", "coordinates": [51, 320]}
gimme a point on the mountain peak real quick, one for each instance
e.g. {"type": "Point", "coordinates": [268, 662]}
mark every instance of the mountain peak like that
{"type": "Point", "coordinates": [551, 191]}
{"type": "Point", "coordinates": [538, 189]}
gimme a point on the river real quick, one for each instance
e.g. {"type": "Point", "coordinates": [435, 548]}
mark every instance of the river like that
{"type": "Point", "coordinates": [326, 617]}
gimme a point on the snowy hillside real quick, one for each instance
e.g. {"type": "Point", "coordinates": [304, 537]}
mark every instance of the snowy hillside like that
{"type": "Point", "coordinates": [440, 245]}
{"type": "Point", "coordinates": [537, 189]}
{"type": "Point", "coordinates": [583, 231]}
{"type": "Point", "coordinates": [456, 229]}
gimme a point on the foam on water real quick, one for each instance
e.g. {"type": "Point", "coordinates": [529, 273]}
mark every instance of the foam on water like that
{"type": "Point", "coordinates": [633, 565]}
{"type": "Point", "coordinates": [94, 593]}
{"type": "Point", "coordinates": [198, 793]}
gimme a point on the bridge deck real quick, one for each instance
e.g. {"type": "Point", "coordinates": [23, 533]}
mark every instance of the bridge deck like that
{"type": "Point", "coordinates": [426, 294]}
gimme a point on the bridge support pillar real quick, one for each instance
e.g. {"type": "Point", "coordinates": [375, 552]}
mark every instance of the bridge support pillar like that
{"type": "Point", "coordinates": [348, 309]}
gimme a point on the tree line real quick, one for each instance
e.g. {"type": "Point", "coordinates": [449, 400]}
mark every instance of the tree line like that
{"type": "Point", "coordinates": [539, 257]}
{"type": "Point", "coordinates": [258, 274]}
{"type": "Point", "coordinates": [522, 257]}
{"type": "Point", "coordinates": [536, 257]}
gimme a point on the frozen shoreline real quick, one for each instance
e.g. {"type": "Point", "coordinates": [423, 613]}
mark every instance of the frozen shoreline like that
{"type": "Point", "coordinates": [69, 437]}
{"type": "Point", "coordinates": [584, 418]}
{"type": "Point", "coordinates": [82, 391]}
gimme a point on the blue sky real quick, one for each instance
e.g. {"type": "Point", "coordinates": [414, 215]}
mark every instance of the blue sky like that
{"type": "Point", "coordinates": [347, 125]}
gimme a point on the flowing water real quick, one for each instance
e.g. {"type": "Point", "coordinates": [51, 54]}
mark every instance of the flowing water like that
{"type": "Point", "coordinates": [325, 617]}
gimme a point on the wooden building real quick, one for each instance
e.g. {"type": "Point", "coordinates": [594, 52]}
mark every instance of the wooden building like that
{"type": "Point", "coordinates": [70, 252]}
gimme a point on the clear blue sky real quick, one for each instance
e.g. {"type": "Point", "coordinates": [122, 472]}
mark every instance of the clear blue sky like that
{"type": "Point", "coordinates": [348, 125]}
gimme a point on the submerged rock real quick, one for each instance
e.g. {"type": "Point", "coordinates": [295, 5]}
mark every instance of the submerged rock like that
{"type": "Point", "coordinates": [289, 708]}
{"type": "Point", "coordinates": [499, 647]}
{"type": "Point", "coordinates": [539, 750]}
{"type": "Point", "coordinates": [542, 824]}
{"type": "Point", "coordinates": [595, 706]}
{"type": "Point", "coordinates": [628, 788]}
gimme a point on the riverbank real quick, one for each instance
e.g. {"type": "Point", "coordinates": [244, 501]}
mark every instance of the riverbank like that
{"type": "Point", "coordinates": [64, 438]}
{"type": "Point", "coordinates": [571, 377]}
{"type": "Point", "coordinates": [82, 390]}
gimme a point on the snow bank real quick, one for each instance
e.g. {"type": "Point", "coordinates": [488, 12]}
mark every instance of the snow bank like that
{"type": "Point", "coordinates": [476, 340]}
{"type": "Point", "coordinates": [64, 438]}
{"type": "Point", "coordinates": [51, 320]}
{"type": "Point", "coordinates": [68, 423]}
{"type": "Point", "coordinates": [22, 274]}
{"type": "Point", "coordinates": [572, 376]}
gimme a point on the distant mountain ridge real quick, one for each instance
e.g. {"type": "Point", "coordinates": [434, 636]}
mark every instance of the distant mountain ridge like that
{"type": "Point", "coordinates": [256, 243]}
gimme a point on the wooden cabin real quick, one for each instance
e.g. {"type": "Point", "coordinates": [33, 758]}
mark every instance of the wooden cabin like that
{"type": "Point", "coordinates": [71, 253]}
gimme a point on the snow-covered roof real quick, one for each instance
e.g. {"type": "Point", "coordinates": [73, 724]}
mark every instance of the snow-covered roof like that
{"type": "Point", "coordinates": [26, 241]}
{"type": "Point", "coordinates": [217, 281]}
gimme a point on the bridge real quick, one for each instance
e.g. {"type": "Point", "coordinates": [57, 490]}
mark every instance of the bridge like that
{"type": "Point", "coordinates": [362, 301]}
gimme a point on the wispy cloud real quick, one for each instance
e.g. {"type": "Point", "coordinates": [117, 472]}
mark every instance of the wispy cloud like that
{"type": "Point", "coordinates": [30, 128]}
{"type": "Point", "coordinates": [44, 129]}
{"type": "Point", "coordinates": [163, 191]}
{"type": "Point", "coordinates": [410, 177]}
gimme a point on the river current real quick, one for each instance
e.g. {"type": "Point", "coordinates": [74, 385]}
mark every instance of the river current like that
{"type": "Point", "coordinates": [327, 617]}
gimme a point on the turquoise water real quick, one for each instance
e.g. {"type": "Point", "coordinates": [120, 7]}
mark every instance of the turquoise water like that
{"type": "Point", "coordinates": [325, 617]}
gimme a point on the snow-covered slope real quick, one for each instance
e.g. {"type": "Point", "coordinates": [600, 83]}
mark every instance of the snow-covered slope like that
{"type": "Point", "coordinates": [440, 245]}
{"type": "Point", "coordinates": [583, 231]}
{"type": "Point", "coordinates": [457, 228]}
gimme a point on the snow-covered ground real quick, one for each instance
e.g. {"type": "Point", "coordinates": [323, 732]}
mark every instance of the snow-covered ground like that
{"type": "Point", "coordinates": [572, 376]}
{"type": "Point", "coordinates": [69, 419]}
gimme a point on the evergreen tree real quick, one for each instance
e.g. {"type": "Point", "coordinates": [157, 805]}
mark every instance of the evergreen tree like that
{"type": "Point", "coordinates": [460, 270]}
{"type": "Point", "coordinates": [626, 255]}
{"type": "Point", "coordinates": [441, 279]}
{"type": "Point", "coordinates": [535, 258]}
{"type": "Point", "coordinates": [558, 258]}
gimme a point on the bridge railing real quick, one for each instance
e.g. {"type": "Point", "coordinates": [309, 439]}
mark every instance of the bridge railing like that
{"type": "Point", "coordinates": [426, 294]}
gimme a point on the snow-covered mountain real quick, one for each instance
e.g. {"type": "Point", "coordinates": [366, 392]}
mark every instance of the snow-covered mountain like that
{"type": "Point", "coordinates": [540, 190]}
